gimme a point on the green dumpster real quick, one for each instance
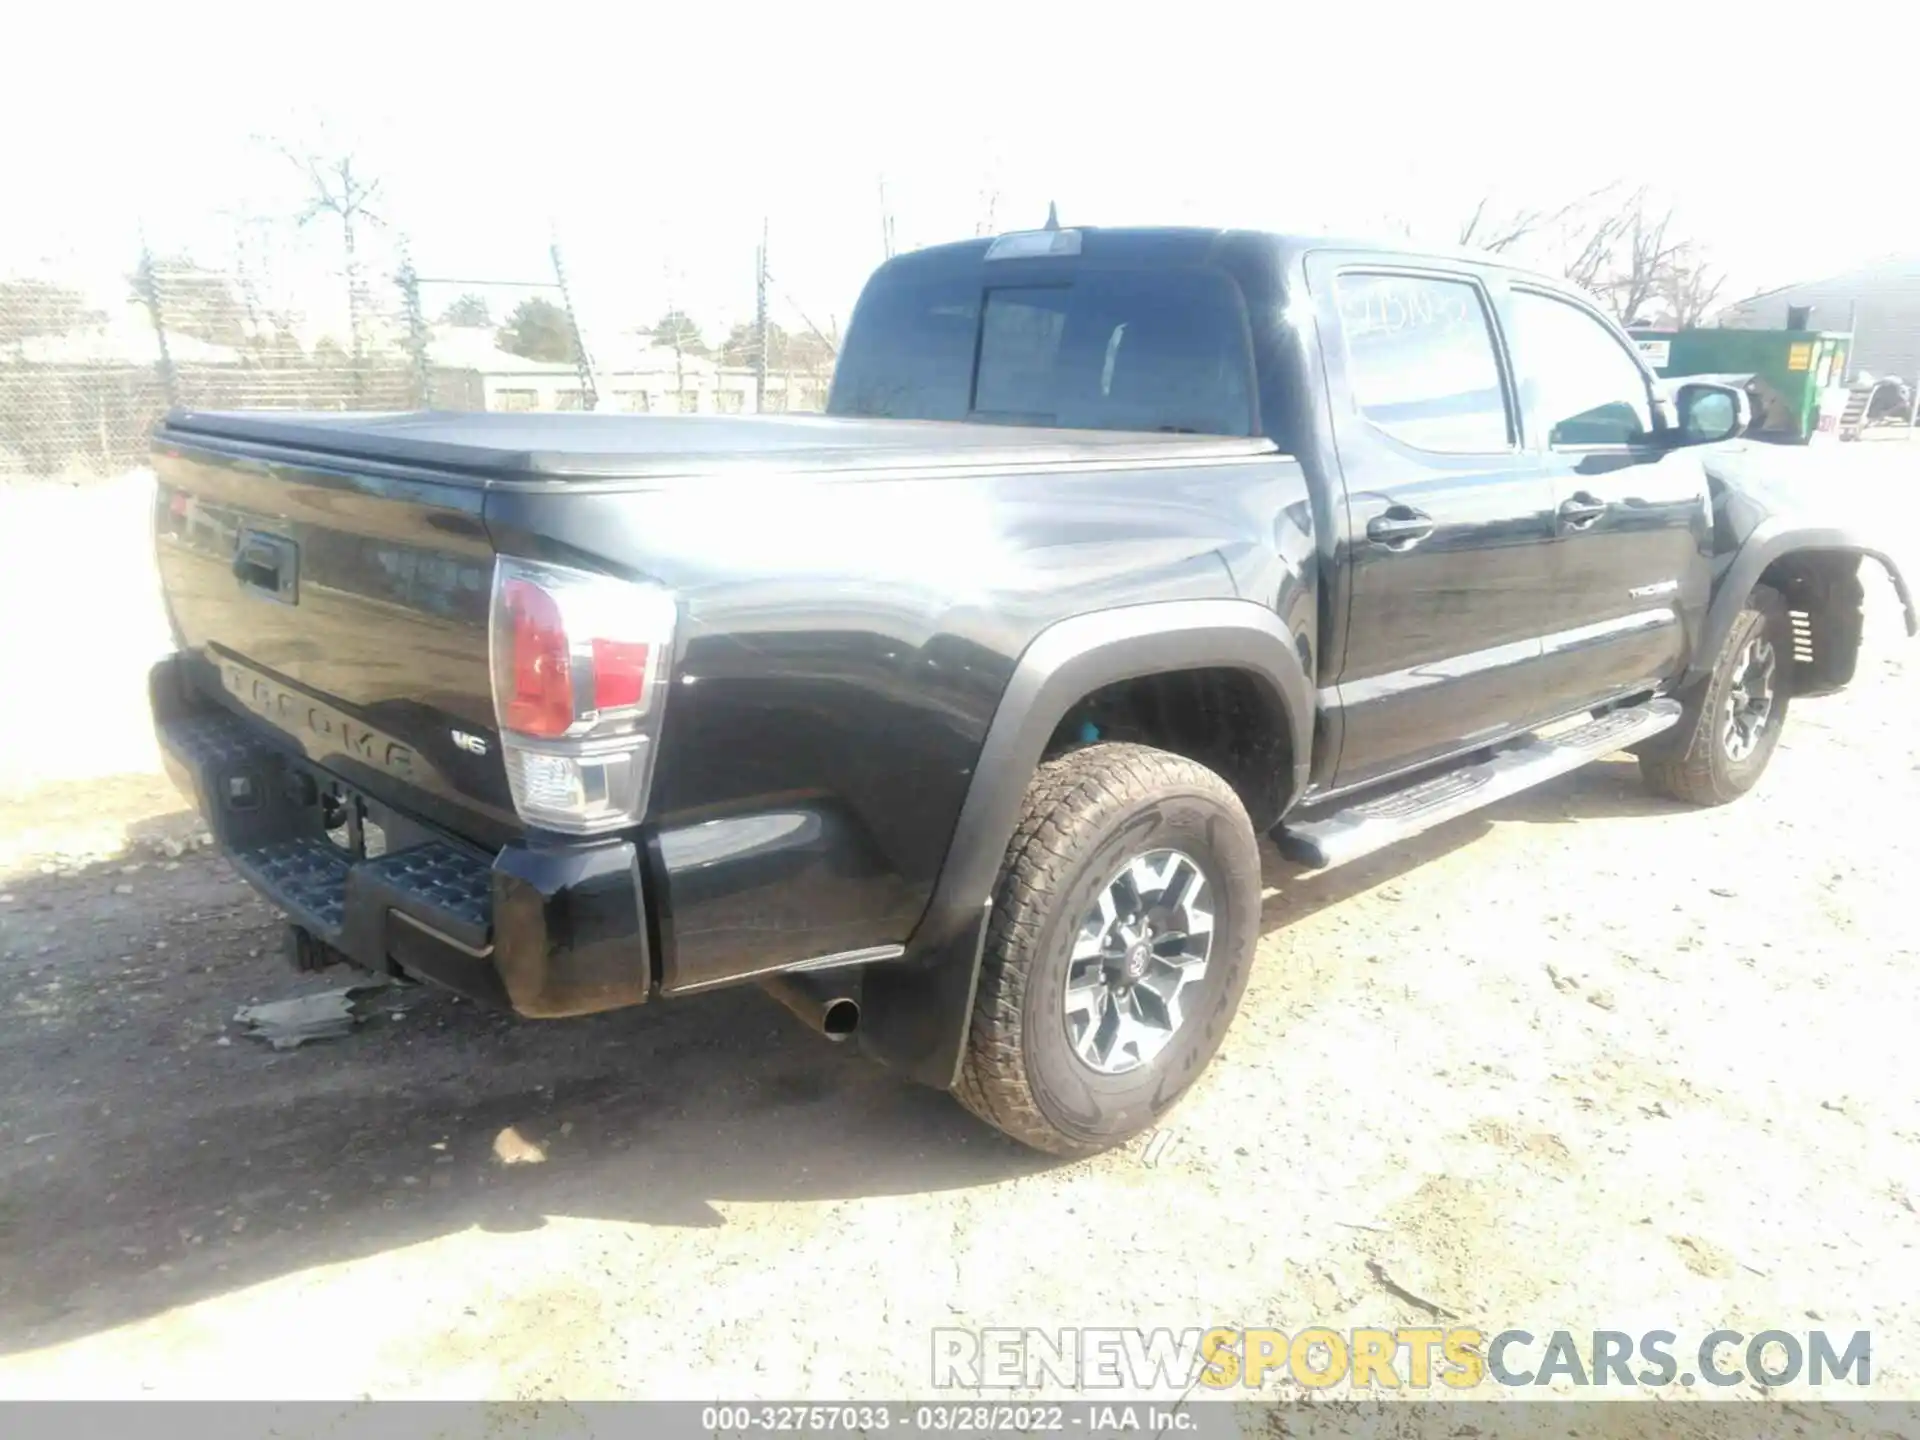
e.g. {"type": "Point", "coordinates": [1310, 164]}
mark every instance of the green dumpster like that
{"type": "Point", "coordinates": [1791, 375]}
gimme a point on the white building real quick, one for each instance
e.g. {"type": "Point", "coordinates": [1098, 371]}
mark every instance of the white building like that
{"type": "Point", "coordinates": [471, 372]}
{"type": "Point", "coordinates": [1880, 303]}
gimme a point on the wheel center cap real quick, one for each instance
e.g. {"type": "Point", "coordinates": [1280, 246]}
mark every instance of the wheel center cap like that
{"type": "Point", "coordinates": [1137, 959]}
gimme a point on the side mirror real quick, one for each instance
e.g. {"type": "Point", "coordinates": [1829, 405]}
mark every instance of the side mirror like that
{"type": "Point", "coordinates": [1710, 413]}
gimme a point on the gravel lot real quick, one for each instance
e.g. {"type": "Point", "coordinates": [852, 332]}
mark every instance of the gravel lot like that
{"type": "Point", "coordinates": [1587, 1061]}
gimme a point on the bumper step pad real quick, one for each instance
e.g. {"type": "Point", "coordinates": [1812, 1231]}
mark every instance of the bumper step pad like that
{"type": "Point", "coordinates": [306, 877]}
{"type": "Point", "coordinates": [447, 891]}
{"type": "Point", "coordinates": [279, 845]}
{"type": "Point", "coordinates": [541, 929]}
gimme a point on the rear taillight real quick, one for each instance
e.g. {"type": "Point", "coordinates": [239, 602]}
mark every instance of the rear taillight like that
{"type": "Point", "coordinates": [579, 662]}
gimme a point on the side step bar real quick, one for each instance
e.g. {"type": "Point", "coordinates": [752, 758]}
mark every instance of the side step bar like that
{"type": "Point", "coordinates": [1384, 819]}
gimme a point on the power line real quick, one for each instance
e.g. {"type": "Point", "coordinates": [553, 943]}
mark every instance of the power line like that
{"type": "Point", "coordinates": [832, 348]}
{"type": "Point", "coordinates": [501, 284]}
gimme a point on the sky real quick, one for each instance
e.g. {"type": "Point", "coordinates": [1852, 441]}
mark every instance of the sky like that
{"type": "Point", "coordinates": [653, 141]}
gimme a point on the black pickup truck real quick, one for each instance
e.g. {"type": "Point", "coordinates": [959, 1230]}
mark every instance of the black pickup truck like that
{"type": "Point", "coordinates": [952, 717]}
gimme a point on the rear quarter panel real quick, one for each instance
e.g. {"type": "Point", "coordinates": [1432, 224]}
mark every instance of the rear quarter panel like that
{"type": "Point", "coordinates": [843, 644]}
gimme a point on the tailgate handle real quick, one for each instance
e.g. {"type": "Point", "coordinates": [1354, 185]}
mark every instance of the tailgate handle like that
{"type": "Point", "coordinates": [268, 564]}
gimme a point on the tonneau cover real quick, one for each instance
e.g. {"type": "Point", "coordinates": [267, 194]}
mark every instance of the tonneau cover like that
{"type": "Point", "coordinates": [522, 447]}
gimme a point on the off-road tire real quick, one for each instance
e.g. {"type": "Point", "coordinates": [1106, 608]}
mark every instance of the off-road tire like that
{"type": "Point", "coordinates": [1085, 815]}
{"type": "Point", "coordinates": [1693, 765]}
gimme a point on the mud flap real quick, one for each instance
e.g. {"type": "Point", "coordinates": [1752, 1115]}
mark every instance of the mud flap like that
{"type": "Point", "coordinates": [915, 1012]}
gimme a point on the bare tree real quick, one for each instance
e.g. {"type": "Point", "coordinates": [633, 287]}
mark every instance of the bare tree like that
{"type": "Point", "coordinates": [1618, 248]}
{"type": "Point", "coordinates": [1489, 230]}
{"type": "Point", "coordinates": [1648, 259]}
{"type": "Point", "coordinates": [1483, 230]}
{"type": "Point", "coordinates": [1477, 233]}
{"type": "Point", "coordinates": [337, 191]}
{"type": "Point", "coordinates": [1589, 264]}
{"type": "Point", "coordinates": [1690, 286]}
{"type": "Point", "coordinates": [1626, 256]}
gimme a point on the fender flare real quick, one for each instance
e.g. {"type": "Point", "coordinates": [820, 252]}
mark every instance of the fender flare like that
{"type": "Point", "coordinates": [1769, 540]}
{"type": "Point", "coordinates": [915, 1012]}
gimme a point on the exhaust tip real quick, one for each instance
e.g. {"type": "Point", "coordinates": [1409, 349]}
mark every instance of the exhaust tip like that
{"type": "Point", "coordinates": [841, 1019]}
{"type": "Point", "coordinates": [825, 1009]}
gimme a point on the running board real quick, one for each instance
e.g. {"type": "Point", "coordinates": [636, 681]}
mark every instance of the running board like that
{"type": "Point", "coordinates": [1386, 819]}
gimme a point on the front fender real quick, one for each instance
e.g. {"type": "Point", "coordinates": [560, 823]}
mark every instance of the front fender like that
{"type": "Point", "coordinates": [1768, 542]}
{"type": "Point", "coordinates": [915, 1011]}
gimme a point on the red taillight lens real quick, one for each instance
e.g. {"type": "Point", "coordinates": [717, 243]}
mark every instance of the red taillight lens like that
{"type": "Point", "coordinates": [578, 757]}
{"type": "Point", "coordinates": [539, 669]}
{"type": "Point", "coordinates": [619, 674]}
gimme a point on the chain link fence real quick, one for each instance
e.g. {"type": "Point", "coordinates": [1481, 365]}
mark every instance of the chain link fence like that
{"type": "Point", "coordinates": [90, 362]}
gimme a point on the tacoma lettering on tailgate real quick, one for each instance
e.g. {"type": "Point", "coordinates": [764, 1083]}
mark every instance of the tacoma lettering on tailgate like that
{"type": "Point", "coordinates": [294, 712]}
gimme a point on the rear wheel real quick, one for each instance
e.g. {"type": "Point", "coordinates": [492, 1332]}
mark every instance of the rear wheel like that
{"type": "Point", "coordinates": [1123, 925]}
{"type": "Point", "coordinates": [1729, 729]}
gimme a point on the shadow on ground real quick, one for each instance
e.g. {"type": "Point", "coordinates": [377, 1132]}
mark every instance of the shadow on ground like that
{"type": "Point", "coordinates": [144, 1164]}
{"type": "Point", "coordinates": [151, 1155]}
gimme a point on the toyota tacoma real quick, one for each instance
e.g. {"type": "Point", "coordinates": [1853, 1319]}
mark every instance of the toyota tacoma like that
{"type": "Point", "coordinates": [952, 717]}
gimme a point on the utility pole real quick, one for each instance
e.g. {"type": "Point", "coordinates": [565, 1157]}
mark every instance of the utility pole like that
{"type": "Point", "coordinates": [760, 325]}
{"type": "Point", "coordinates": [679, 343]}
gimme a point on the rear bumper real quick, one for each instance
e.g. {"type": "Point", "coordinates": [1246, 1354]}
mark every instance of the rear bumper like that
{"type": "Point", "coordinates": [545, 930]}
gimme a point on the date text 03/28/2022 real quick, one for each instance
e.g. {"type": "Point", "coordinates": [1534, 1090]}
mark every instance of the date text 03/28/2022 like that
{"type": "Point", "coordinates": [967, 1417]}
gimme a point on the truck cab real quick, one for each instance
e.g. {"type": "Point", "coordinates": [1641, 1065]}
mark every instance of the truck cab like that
{"type": "Point", "coordinates": [1509, 524]}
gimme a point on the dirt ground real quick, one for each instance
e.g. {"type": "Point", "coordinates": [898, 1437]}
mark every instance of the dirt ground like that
{"type": "Point", "coordinates": [1586, 1061]}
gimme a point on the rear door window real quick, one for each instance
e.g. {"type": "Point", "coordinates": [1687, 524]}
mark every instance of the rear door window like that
{"type": "Point", "coordinates": [1163, 350]}
{"type": "Point", "coordinates": [1422, 363]}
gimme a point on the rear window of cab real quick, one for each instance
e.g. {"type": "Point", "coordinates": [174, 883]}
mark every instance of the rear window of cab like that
{"type": "Point", "coordinates": [1148, 350]}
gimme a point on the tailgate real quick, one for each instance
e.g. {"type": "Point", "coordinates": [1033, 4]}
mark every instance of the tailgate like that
{"type": "Point", "coordinates": [347, 607]}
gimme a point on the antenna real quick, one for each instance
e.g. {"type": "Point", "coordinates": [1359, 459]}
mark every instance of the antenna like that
{"type": "Point", "coordinates": [1053, 217]}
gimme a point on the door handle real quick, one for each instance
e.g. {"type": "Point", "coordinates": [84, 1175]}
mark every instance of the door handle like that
{"type": "Point", "coordinates": [1399, 527]}
{"type": "Point", "coordinates": [1581, 510]}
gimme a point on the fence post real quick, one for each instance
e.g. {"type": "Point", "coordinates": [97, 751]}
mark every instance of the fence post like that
{"type": "Point", "coordinates": [150, 295]}
{"type": "Point", "coordinates": [589, 383]}
{"type": "Point", "coordinates": [409, 283]}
